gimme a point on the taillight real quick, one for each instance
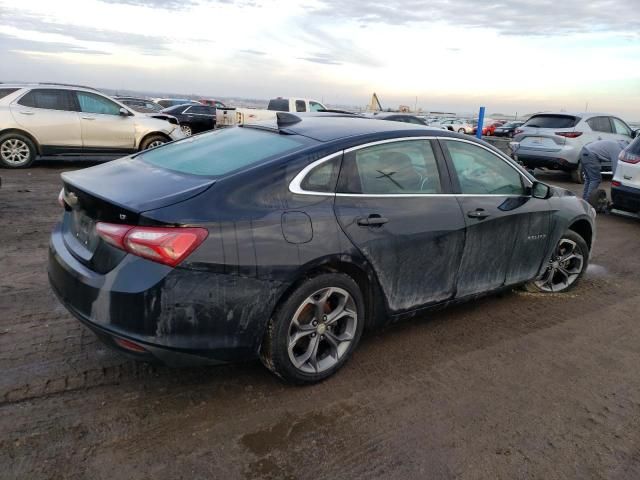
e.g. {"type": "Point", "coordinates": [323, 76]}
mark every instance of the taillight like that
{"type": "Point", "coordinates": [518, 131]}
{"type": "Point", "coordinates": [615, 183]}
{"type": "Point", "coordinates": [129, 345]}
{"type": "Point", "coordinates": [628, 157]}
{"type": "Point", "coordinates": [569, 134]}
{"type": "Point", "coordinates": [168, 245]}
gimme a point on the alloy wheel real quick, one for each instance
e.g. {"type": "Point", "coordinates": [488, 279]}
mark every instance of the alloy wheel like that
{"type": "Point", "coordinates": [155, 143]}
{"type": "Point", "coordinates": [564, 268]}
{"type": "Point", "coordinates": [15, 152]}
{"type": "Point", "coordinates": [322, 329]}
{"type": "Point", "coordinates": [186, 130]}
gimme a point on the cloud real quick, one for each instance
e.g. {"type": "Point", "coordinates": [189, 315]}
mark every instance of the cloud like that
{"type": "Point", "coordinates": [321, 58]}
{"type": "Point", "coordinates": [250, 51]}
{"type": "Point", "coordinates": [11, 43]}
{"type": "Point", "coordinates": [180, 4]}
{"type": "Point", "coordinates": [523, 17]}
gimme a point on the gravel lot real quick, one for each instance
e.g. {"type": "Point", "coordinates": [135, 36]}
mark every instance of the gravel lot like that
{"type": "Point", "coordinates": [511, 386]}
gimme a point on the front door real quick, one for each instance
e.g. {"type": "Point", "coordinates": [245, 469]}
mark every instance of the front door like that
{"type": "Point", "coordinates": [103, 127]}
{"type": "Point", "coordinates": [392, 203]}
{"type": "Point", "coordinates": [507, 229]}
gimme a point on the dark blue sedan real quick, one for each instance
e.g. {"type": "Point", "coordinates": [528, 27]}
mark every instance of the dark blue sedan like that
{"type": "Point", "coordinates": [286, 241]}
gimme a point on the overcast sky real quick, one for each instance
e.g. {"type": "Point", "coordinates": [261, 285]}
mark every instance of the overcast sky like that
{"type": "Point", "coordinates": [518, 55]}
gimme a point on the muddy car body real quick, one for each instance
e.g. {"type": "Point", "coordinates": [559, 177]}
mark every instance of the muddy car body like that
{"type": "Point", "coordinates": [295, 231]}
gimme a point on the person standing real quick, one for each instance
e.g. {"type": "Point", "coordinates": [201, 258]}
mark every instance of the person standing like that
{"type": "Point", "coordinates": [592, 157]}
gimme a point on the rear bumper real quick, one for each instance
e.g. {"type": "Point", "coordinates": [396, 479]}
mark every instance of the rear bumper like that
{"type": "Point", "coordinates": [626, 198]}
{"type": "Point", "coordinates": [179, 316]}
{"type": "Point", "coordinates": [553, 163]}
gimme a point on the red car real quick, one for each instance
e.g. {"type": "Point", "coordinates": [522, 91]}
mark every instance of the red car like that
{"type": "Point", "coordinates": [489, 128]}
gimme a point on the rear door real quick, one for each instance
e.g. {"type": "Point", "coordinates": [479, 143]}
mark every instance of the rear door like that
{"type": "Point", "coordinates": [103, 127]}
{"type": "Point", "coordinates": [393, 202]}
{"type": "Point", "coordinates": [507, 229]}
{"type": "Point", "coordinates": [48, 114]}
{"type": "Point", "coordinates": [201, 118]}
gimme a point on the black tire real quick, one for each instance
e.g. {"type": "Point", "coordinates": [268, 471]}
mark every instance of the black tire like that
{"type": "Point", "coordinates": [274, 351]}
{"type": "Point", "coordinates": [577, 175]}
{"type": "Point", "coordinates": [9, 142]}
{"type": "Point", "coordinates": [153, 141]}
{"type": "Point", "coordinates": [581, 247]}
{"type": "Point", "coordinates": [461, 130]}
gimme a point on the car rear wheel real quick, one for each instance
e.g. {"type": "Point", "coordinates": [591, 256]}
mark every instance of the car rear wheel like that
{"type": "Point", "coordinates": [461, 130]}
{"type": "Point", "coordinates": [153, 141]}
{"type": "Point", "coordinates": [186, 129]}
{"type": "Point", "coordinates": [577, 175]}
{"type": "Point", "coordinates": [566, 266]}
{"type": "Point", "coordinates": [16, 151]}
{"type": "Point", "coordinates": [315, 330]}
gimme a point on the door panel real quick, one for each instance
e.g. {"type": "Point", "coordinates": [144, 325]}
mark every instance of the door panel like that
{"type": "Point", "coordinates": [391, 207]}
{"type": "Point", "coordinates": [47, 114]}
{"type": "Point", "coordinates": [506, 227]}
{"type": "Point", "coordinates": [102, 124]}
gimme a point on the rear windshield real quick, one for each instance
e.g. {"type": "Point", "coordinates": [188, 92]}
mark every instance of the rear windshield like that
{"type": "Point", "coordinates": [222, 151]}
{"type": "Point", "coordinates": [279, 105]}
{"type": "Point", "coordinates": [552, 121]}
{"type": "Point", "coordinates": [6, 91]}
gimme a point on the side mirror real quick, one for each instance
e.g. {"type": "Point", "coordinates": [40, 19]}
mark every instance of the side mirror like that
{"type": "Point", "coordinates": [540, 190]}
{"type": "Point", "coordinates": [635, 133]}
{"type": "Point", "coordinates": [124, 112]}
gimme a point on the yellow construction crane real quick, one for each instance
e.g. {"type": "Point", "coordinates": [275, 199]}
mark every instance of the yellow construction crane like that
{"type": "Point", "coordinates": [374, 105]}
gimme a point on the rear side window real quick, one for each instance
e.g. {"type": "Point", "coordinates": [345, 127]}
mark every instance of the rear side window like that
{"type": "Point", "coordinates": [600, 124]}
{"type": "Point", "coordinates": [300, 106]}
{"type": "Point", "coordinates": [48, 99]}
{"type": "Point", "coordinates": [6, 91]}
{"type": "Point", "coordinates": [222, 151]}
{"type": "Point", "coordinates": [552, 121]}
{"type": "Point", "coordinates": [322, 178]}
{"type": "Point", "coordinates": [406, 167]}
{"type": "Point", "coordinates": [279, 105]}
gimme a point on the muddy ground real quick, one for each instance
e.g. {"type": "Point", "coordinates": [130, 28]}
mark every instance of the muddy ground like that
{"type": "Point", "coordinates": [511, 386]}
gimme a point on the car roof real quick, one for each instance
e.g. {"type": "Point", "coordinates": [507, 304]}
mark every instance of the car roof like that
{"type": "Point", "coordinates": [50, 86]}
{"type": "Point", "coordinates": [327, 127]}
{"type": "Point", "coordinates": [386, 114]}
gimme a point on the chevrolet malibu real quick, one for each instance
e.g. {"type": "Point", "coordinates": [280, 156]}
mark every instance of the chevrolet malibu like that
{"type": "Point", "coordinates": [285, 242]}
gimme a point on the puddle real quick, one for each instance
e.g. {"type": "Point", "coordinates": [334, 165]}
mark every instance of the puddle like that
{"type": "Point", "coordinates": [597, 270]}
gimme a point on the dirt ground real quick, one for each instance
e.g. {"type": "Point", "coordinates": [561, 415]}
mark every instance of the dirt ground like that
{"type": "Point", "coordinates": [511, 386]}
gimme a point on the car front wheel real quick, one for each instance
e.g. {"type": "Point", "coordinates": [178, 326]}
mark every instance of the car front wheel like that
{"type": "Point", "coordinates": [566, 266]}
{"type": "Point", "coordinates": [315, 330]}
{"type": "Point", "coordinates": [16, 151]}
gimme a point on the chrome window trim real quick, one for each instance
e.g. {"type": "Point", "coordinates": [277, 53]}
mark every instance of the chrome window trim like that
{"type": "Point", "coordinates": [295, 184]}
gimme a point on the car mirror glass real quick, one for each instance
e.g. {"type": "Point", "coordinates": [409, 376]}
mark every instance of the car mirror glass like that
{"type": "Point", "coordinates": [124, 112]}
{"type": "Point", "coordinates": [540, 190]}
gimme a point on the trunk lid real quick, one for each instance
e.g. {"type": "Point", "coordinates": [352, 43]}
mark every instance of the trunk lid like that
{"type": "Point", "coordinates": [118, 192]}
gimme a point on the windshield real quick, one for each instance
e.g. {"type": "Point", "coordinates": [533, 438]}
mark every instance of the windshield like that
{"type": "Point", "coordinates": [223, 151]}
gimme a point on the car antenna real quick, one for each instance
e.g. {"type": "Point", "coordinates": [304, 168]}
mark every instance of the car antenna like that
{"type": "Point", "coordinates": [285, 119]}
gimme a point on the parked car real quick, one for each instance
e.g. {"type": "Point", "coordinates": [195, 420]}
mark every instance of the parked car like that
{"type": "Point", "coordinates": [142, 105]}
{"type": "Point", "coordinates": [172, 102]}
{"type": "Point", "coordinates": [286, 242]}
{"type": "Point", "coordinates": [460, 125]}
{"type": "Point", "coordinates": [488, 128]}
{"type": "Point", "coordinates": [625, 186]}
{"type": "Point", "coordinates": [507, 130]}
{"type": "Point", "coordinates": [555, 140]}
{"type": "Point", "coordinates": [212, 103]}
{"type": "Point", "coordinates": [54, 119]}
{"type": "Point", "coordinates": [193, 118]}
{"type": "Point", "coordinates": [396, 117]}
{"type": "Point", "coordinates": [227, 117]}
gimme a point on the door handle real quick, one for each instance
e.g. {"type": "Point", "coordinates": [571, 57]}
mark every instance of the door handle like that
{"type": "Point", "coordinates": [373, 220]}
{"type": "Point", "coordinates": [88, 118]}
{"type": "Point", "coordinates": [479, 213]}
{"type": "Point", "coordinates": [26, 113]}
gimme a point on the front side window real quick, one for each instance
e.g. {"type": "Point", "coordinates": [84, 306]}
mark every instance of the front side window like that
{"type": "Point", "coordinates": [481, 172]}
{"type": "Point", "coordinates": [222, 151]}
{"type": "Point", "coordinates": [92, 103]}
{"type": "Point", "coordinates": [600, 124]}
{"type": "Point", "coordinates": [406, 167]}
{"type": "Point", "coordinates": [300, 106]}
{"type": "Point", "coordinates": [620, 127]}
{"type": "Point", "coordinates": [46, 98]}
{"type": "Point", "coordinates": [315, 107]}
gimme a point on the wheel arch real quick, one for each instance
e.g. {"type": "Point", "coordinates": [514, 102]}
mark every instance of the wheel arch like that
{"type": "Point", "coordinates": [26, 134]}
{"type": "Point", "coordinates": [152, 134]}
{"type": "Point", "coordinates": [583, 228]}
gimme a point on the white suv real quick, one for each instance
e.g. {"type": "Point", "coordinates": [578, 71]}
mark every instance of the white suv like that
{"type": "Point", "coordinates": [555, 140]}
{"type": "Point", "coordinates": [52, 119]}
{"type": "Point", "coordinates": [625, 186]}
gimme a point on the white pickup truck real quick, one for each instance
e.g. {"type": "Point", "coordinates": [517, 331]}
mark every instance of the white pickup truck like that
{"type": "Point", "coordinates": [227, 117]}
